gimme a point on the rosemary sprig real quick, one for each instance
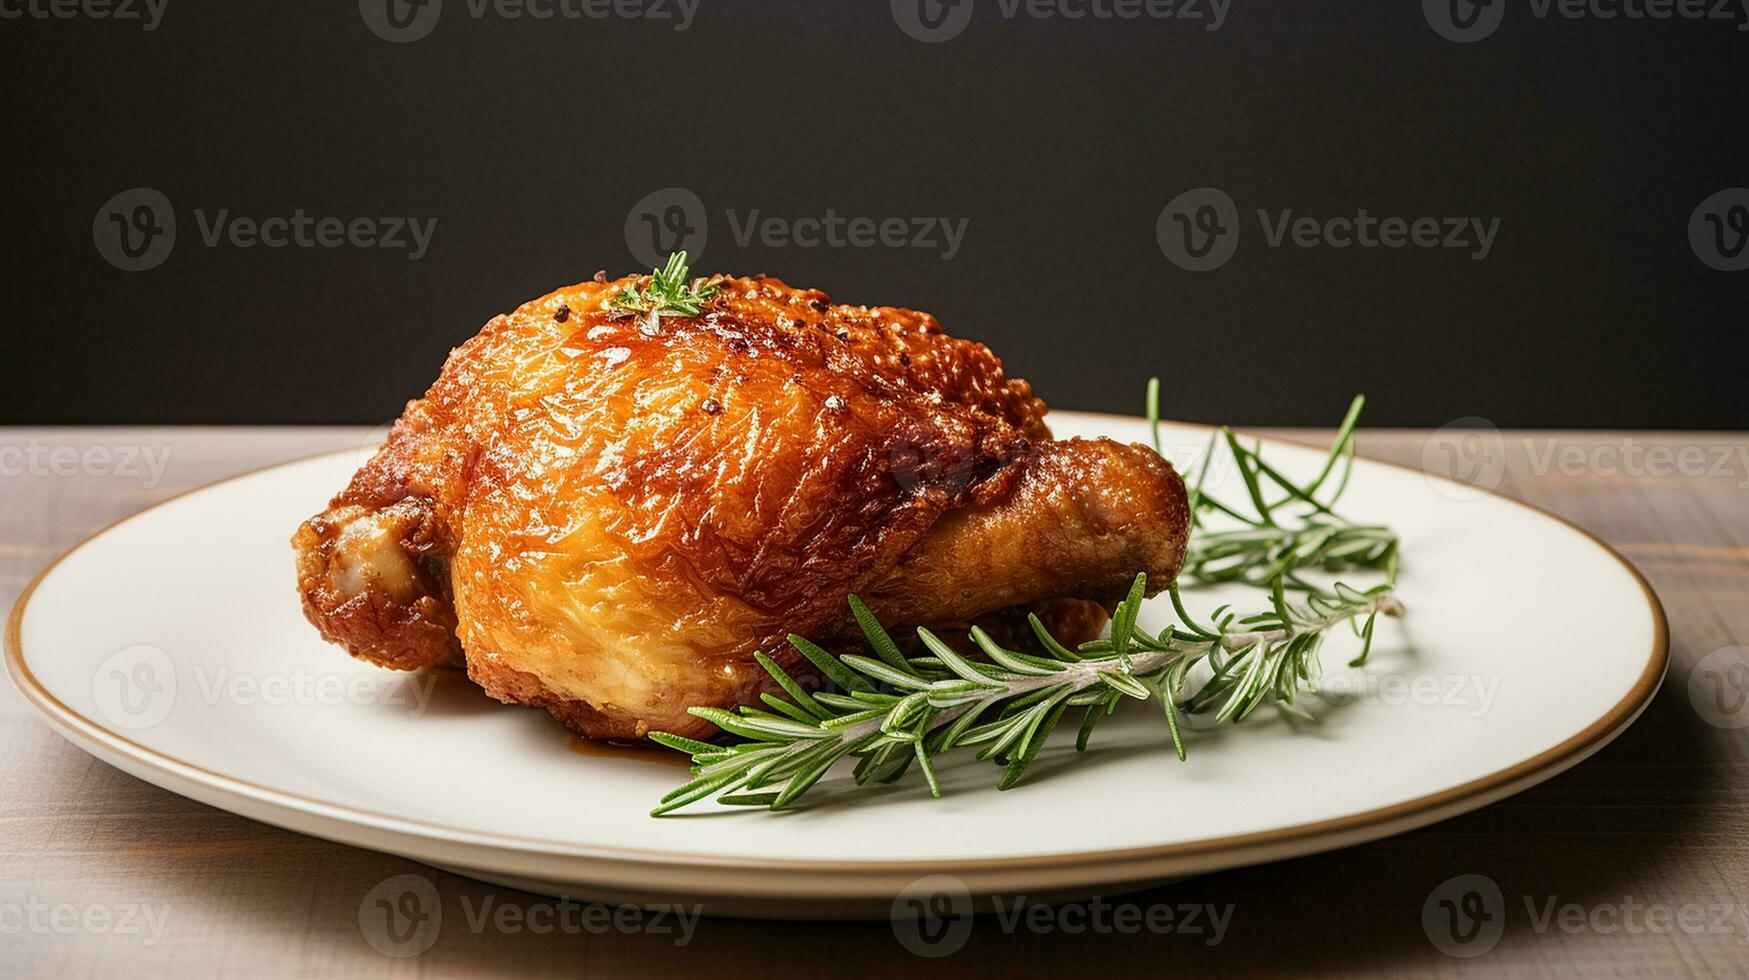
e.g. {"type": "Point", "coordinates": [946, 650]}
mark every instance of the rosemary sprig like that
{"type": "Point", "coordinates": [1284, 529]}
{"type": "Point", "coordinates": [669, 293]}
{"type": "Point", "coordinates": [892, 711]}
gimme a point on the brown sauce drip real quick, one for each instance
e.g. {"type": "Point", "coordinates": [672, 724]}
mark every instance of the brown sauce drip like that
{"type": "Point", "coordinates": [645, 752]}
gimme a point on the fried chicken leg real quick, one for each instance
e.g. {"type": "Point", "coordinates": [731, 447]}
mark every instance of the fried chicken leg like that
{"type": "Point", "coordinates": [605, 515]}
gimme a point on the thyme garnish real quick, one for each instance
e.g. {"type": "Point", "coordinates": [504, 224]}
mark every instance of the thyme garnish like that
{"type": "Point", "coordinates": [670, 293]}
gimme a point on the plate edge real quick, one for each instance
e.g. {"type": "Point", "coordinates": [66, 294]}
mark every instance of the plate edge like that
{"type": "Point", "coordinates": [1322, 835]}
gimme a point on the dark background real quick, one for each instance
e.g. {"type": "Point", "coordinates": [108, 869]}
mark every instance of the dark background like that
{"type": "Point", "coordinates": [1058, 141]}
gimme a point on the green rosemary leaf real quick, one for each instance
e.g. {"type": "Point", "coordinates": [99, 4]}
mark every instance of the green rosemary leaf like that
{"type": "Point", "coordinates": [697, 790]}
{"type": "Point", "coordinates": [964, 723]}
{"type": "Point", "coordinates": [1095, 711]}
{"type": "Point", "coordinates": [959, 665]}
{"type": "Point", "coordinates": [841, 702]}
{"type": "Point", "coordinates": [788, 710]}
{"type": "Point", "coordinates": [1278, 598]}
{"type": "Point", "coordinates": [763, 731]}
{"type": "Point", "coordinates": [1016, 730]}
{"type": "Point", "coordinates": [1013, 662]}
{"type": "Point", "coordinates": [691, 746]}
{"type": "Point", "coordinates": [1184, 618]}
{"type": "Point", "coordinates": [901, 764]}
{"type": "Point", "coordinates": [881, 672]}
{"type": "Point", "coordinates": [748, 799]}
{"type": "Point", "coordinates": [809, 774]}
{"type": "Point", "coordinates": [844, 721]}
{"type": "Point", "coordinates": [760, 714]}
{"type": "Point", "coordinates": [802, 699]}
{"type": "Point", "coordinates": [1124, 684]}
{"type": "Point", "coordinates": [828, 664]}
{"type": "Point", "coordinates": [1123, 621]}
{"type": "Point", "coordinates": [1343, 449]}
{"type": "Point", "coordinates": [878, 639]}
{"type": "Point", "coordinates": [1049, 642]}
{"type": "Point", "coordinates": [928, 770]}
{"type": "Point", "coordinates": [1365, 642]}
{"type": "Point", "coordinates": [1202, 472]}
{"type": "Point", "coordinates": [1243, 458]}
{"type": "Point", "coordinates": [1172, 718]}
{"type": "Point", "coordinates": [1033, 742]}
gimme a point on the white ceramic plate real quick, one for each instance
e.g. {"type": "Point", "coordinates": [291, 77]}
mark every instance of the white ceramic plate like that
{"type": "Point", "coordinates": [172, 646]}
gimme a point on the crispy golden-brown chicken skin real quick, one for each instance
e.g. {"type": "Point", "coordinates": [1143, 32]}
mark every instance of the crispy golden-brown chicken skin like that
{"type": "Point", "coordinates": [606, 515]}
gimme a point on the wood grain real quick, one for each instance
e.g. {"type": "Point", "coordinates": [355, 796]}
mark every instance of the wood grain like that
{"type": "Point", "coordinates": [1660, 818]}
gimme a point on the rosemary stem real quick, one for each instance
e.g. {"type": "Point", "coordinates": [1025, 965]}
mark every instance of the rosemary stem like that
{"type": "Point", "coordinates": [1385, 602]}
{"type": "Point", "coordinates": [1085, 674]}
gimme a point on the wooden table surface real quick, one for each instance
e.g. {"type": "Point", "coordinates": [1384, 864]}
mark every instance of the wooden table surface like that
{"type": "Point", "coordinates": [1648, 841]}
